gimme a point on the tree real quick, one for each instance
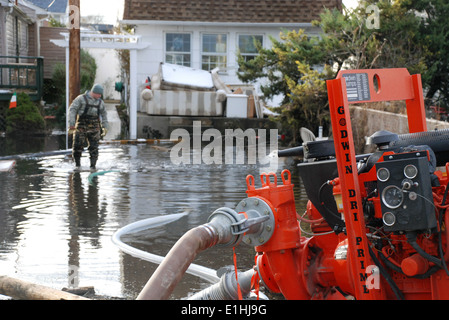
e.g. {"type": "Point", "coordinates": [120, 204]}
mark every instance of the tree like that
{"type": "Point", "coordinates": [433, 34]}
{"type": "Point", "coordinates": [308, 103]}
{"type": "Point", "coordinates": [282, 67]}
{"type": "Point", "coordinates": [297, 66]}
{"type": "Point", "coordinates": [56, 88]}
{"type": "Point", "coordinates": [353, 42]}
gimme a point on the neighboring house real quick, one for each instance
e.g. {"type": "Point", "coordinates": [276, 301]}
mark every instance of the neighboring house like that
{"type": "Point", "coordinates": [18, 29]}
{"type": "Point", "coordinates": [56, 9]}
{"type": "Point", "coordinates": [99, 27]}
{"type": "Point", "coordinates": [25, 44]}
{"type": "Point", "coordinates": [20, 22]}
{"type": "Point", "coordinates": [208, 34]}
{"type": "Point", "coordinates": [19, 38]}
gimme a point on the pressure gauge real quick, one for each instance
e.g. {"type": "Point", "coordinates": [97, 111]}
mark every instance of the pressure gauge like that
{"type": "Point", "coordinates": [383, 174]}
{"type": "Point", "coordinates": [410, 171]}
{"type": "Point", "coordinates": [389, 219]}
{"type": "Point", "coordinates": [392, 197]}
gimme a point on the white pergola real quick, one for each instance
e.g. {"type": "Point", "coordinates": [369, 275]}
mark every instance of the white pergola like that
{"type": "Point", "coordinates": [120, 42]}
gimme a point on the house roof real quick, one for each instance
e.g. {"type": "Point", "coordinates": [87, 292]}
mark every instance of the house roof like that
{"type": "Point", "coordinates": [248, 11]}
{"type": "Point", "coordinates": [55, 6]}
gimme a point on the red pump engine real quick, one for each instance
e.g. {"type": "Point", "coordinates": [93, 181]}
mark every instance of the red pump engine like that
{"type": "Point", "coordinates": [378, 222]}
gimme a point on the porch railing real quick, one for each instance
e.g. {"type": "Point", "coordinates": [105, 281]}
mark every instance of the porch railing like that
{"type": "Point", "coordinates": [21, 74]}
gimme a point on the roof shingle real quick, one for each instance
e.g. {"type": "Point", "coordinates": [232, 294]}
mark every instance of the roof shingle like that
{"type": "Point", "coordinates": [57, 6]}
{"type": "Point", "coordinates": [251, 11]}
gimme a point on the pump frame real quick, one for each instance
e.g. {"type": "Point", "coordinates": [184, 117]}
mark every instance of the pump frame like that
{"type": "Point", "coordinates": [378, 85]}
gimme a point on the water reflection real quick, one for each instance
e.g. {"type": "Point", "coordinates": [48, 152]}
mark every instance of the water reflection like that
{"type": "Point", "coordinates": [31, 144]}
{"type": "Point", "coordinates": [86, 218]}
{"type": "Point", "coordinates": [56, 224]}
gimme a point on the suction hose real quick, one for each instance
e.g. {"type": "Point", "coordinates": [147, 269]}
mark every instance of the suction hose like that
{"type": "Point", "coordinates": [225, 227]}
{"type": "Point", "coordinates": [227, 288]}
{"type": "Point", "coordinates": [175, 264]}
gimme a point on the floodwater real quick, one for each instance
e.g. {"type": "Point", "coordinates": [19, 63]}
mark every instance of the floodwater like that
{"type": "Point", "coordinates": [56, 225]}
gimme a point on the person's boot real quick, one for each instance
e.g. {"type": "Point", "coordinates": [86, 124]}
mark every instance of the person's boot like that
{"type": "Point", "coordinates": [77, 159]}
{"type": "Point", "coordinates": [93, 163]}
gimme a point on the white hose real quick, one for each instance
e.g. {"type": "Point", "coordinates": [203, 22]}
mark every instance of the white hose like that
{"type": "Point", "coordinates": [196, 270]}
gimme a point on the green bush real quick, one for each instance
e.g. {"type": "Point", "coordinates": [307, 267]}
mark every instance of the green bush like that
{"type": "Point", "coordinates": [87, 75]}
{"type": "Point", "coordinates": [25, 118]}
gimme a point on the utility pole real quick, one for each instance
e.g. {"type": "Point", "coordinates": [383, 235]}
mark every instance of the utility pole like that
{"type": "Point", "coordinates": [73, 60]}
{"type": "Point", "coordinates": [74, 49]}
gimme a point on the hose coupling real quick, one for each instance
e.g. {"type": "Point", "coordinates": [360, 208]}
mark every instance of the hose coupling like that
{"type": "Point", "coordinates": [252, 221]}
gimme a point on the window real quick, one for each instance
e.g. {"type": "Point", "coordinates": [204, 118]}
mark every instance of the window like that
{"type": "Point", "coordinates": [177, 48]}
{"type": "Point", "coordinates": [214, 51]}
{"type": "Point", "coordinates": [247, 45]}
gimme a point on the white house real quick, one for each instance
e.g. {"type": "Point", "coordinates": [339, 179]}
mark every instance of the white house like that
{"type": "Point", "coordinates": [206, 34]}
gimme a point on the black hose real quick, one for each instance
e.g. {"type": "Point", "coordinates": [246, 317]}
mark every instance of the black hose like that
{"type": "Point", "coordinates": [440, 240]}
{"type": "Point", "coordinates": [397, 292]}
{"type": "Point", "coordinates": [411, 239]}
{"type": "Point", "coordinates": [291, 152]}
{"type": "Point", "coordinates": [398, 269]}
{"type": "Point", "coordinates": [320, 196]}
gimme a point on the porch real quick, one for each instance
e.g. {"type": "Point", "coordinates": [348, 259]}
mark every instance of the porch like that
{"type": "Point", "coordinates": [21, 74]}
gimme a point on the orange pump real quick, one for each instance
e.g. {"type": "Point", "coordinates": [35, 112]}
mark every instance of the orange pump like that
{"type": "Point", "coordinates": [378, 222]}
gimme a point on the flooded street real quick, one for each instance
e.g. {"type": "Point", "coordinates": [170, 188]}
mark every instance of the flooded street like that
{"type": "Point", "coordinates": [56, 225]}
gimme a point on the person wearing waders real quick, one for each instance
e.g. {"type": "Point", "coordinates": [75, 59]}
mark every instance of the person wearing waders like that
{"type": "Point", "coordinates": [88, 121]}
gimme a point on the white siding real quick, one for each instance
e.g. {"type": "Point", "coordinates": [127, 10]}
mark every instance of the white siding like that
{"type": "Point", "coordinates": [148, 60]}
{"type": "Point", "coordinates": [11, 40]}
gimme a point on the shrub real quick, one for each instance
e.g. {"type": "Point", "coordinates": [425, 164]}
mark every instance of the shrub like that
{"type": "Point", "coordinates": [25, 118]}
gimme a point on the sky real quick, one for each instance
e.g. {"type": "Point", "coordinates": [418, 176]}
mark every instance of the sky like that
{"type": "Point", "coordinates": [350, 3]}
{"type": "Point", "coordinates": [112, 10]}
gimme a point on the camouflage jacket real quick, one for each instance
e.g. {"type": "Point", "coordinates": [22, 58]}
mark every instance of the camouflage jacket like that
{"type": "Point", "coordinates": [78, 106]}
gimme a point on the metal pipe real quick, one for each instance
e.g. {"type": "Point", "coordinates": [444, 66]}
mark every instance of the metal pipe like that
{"type": "Point", "coordinates": [141, 141]}
{"type": "Point", "coordinates": [36, 155]}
